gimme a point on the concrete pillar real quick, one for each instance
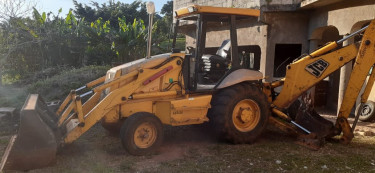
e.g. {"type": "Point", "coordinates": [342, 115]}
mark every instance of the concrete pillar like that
{"type": "Point", "coordinates": [345, 72]}
{"type": "Point", "coordinates": [313, 45]}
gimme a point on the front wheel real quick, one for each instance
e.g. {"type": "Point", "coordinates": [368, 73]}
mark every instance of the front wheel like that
{"type": "Point", "coordinates": [239, 113]}
{"type": "Point", "coordinates": [141, 134]}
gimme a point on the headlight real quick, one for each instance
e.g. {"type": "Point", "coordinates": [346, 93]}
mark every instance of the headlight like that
{"type": "Point", "coordinates": [192, 9]}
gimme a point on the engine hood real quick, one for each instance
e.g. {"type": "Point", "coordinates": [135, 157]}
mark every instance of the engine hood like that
{"type": "Point", "coordinates": [136, 65]}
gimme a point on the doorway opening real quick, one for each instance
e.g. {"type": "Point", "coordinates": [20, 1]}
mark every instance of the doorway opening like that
{"type": "Point", "coordinates": [284, 55]}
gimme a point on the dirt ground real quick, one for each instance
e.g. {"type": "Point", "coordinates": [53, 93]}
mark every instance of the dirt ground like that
{"type": "Point", "coordinates": [193, 149]}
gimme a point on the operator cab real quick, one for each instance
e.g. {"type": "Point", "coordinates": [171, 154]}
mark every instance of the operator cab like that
{"type": "Point", "coordinates": [202, 70]}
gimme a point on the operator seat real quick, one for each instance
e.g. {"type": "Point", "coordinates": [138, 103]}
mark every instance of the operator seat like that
{"type": "Point", "coordinates": [214, 67]}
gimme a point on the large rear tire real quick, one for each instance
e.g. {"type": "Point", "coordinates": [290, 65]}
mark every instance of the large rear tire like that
{"type": "Point", "coordinates": [141, 134]}
{"type": "Point", "coordinates": [239, 113]}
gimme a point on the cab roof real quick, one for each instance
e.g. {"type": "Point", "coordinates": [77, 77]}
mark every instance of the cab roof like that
{"type": "Point", "coordinates": [196, 9]}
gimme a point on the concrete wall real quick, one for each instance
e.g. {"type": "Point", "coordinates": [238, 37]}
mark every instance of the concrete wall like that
{"type": "Point", "coordinates": [283, 28]}
{"type": "Point", "coordinates": [342, 18]}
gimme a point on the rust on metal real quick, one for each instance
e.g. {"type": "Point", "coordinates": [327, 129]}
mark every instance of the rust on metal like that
{"type": "Point", "coordinates": [310, 141]}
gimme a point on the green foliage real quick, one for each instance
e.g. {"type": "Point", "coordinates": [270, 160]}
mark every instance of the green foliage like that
{"type": "Point", "coordinates": [167, 9]}
{"type": "Point", "coordinates": [51, 84]}
{"type": "Point", "coordinates": [111, 11]}
{"type": "Point", "coordinates": [58, 86]}
{"type": "Point", "coordinates": [106, 34]}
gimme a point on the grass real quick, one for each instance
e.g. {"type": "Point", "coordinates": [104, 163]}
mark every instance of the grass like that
{"type": "Point", "coordinates": [96, 151]}
{"type": "Point", "coordinates": [11, 96]}
{"type": "Point", "coordinates": [193, 149]}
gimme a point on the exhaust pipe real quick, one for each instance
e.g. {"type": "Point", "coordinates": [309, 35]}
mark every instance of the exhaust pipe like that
{"type": "Point", "coordinates": [150, 10]}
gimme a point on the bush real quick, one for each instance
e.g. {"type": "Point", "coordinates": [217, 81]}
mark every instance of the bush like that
{"type": "Point", "coordinates": [58, 87]}
{"type": "Point", "coordinates": [11, 96]}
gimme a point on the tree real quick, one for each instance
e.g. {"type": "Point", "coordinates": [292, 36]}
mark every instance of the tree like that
{"type": "Point", "coordinates": [15, 8]}
{"type": "Point", "coordinates": [111, 11]}
{"type": "Point", "coordinates": [164, 26]}
{"type": "Point", "coordinates": [167, 9]}
{"type": "Point", "coordinates": [87, 35]}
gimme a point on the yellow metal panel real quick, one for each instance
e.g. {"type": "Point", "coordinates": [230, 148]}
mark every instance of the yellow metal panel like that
{"type": "Point", "coordinates": [90, 103]}
{"type": "Point", "coordinates": [95, 82]}
{"type": "Point", "coordinates": [183, 111]}
{"type": "Point", "coordinates": [192, 110]}
{"type": "Point", "coordinates": [330, 46]}
{"type": "Point", "coordinates": [114, 82]}
{"type": "Point", "coordinates": [321, 51]}
{"type": "Point", "coordinates": [162, 109]}
{"type": "Point", "coordinates": [112, 116]}
{"type": "Point", "coordinates": [129, 108]}
{"type": "Point", "coordinates": [154, 94]}
{"type": "Point", "coordinates": [369, 86]}
{"type": "Point", "coordinates": [192, 101]}
{"type": "Point", "coordinates": [216, 10]}
{"type": "Point", "coordinates": [66, 113]}
{"type": "Point", "coordinates": [78, 109]}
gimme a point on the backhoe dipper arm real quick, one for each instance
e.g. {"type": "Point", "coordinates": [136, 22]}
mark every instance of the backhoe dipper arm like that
{"type": "Point", "coordinates": [308, 71]}
{"type": "Point", "coordinates": [363, 63]}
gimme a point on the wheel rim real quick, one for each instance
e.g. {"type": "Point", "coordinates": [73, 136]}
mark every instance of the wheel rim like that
{"type": "Point", "coordinates": [246, 115]}
{"type": "Point", "coordinates": [145, 135]}
{"type": "Point", "coordinates": [365, 110]}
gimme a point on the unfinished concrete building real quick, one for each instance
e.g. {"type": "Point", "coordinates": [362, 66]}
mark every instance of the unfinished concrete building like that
{"type": "Point", "coordinates": [288, 28]}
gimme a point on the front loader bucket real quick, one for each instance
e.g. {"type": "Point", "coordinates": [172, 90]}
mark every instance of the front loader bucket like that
{"type": "Point", "coordinates": [35, 144]}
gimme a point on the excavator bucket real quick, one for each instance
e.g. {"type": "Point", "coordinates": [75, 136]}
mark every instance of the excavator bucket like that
{"type": "Point", "coordinates": [36, 142]}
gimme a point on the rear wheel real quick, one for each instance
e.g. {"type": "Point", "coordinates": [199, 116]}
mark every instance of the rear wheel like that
{"type": "Point", "coordinates": [141, 134]}
{"type": "Point", "coordinates": [239, 113]}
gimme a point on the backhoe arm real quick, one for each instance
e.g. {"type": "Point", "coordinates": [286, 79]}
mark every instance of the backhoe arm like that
{"type": "Point", "coordinates": [308, 71]}
{"type": "Point", "coordinates": [363, 63]}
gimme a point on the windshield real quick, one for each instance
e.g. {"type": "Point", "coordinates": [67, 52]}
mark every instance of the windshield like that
{"type": "Point", "coordinates": [184, 36]}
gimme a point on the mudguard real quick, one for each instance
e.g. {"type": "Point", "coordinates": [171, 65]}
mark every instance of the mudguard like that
{"type": "Point", "coordinates": [239, 76]}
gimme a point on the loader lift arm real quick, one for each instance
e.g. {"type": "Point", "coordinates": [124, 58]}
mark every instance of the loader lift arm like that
{"type": "Point", "coordinates": [94, 109]}
{"type": "Point", "coordinates": [308, 71]}
{"type": "Point", "coordinates": [42, 132]}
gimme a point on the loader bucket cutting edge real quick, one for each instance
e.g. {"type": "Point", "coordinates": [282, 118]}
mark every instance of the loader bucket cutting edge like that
{"type": "Point", "coordinates": [35, 144]}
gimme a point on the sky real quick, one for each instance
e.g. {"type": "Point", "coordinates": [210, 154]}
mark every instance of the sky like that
{"type": "Point", "coordinates": [55, 5]}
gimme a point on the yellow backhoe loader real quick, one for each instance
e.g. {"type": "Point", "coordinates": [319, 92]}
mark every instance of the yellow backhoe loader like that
{"type": "Point", "coordinates": [138, 98]}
